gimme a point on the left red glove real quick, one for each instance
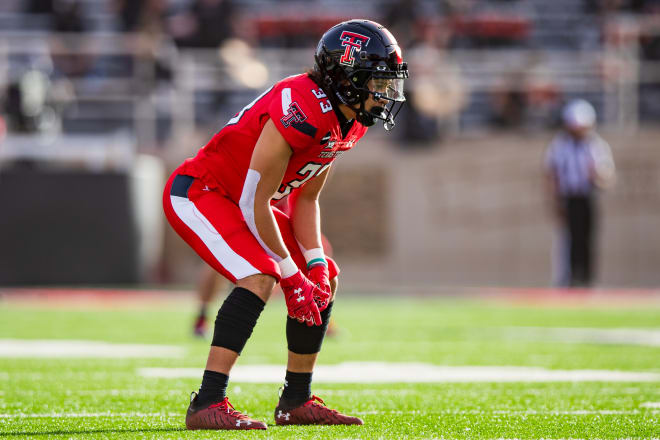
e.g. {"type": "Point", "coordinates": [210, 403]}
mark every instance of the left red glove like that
{"type": "Point", "coordinates": [319, 275]}
{"type": "Point", "coordinates": [299, 293]}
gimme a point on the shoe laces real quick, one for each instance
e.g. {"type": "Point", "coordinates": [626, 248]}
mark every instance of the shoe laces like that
{"type": "Point", "coordinates": [313, 401]}
{"type": "Point", "coordinates": [226, 406]}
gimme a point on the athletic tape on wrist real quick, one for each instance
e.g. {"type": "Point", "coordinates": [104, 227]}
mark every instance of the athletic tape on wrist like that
{"type": "Point", "coordinates": [288, 267]}
{"type": "Point", "coordinates": [316, 262]}
{"type": "Point", "coordinates": [315, 256]}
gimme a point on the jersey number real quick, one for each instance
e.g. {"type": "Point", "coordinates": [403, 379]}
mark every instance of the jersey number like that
{"type": "Point", "coordinates": [310, 170]}
{"type": "Point", "coordinates": [325, 104]}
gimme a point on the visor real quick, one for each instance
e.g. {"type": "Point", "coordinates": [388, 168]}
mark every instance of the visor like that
{"type": "Point", "coordinates": [389, 88]}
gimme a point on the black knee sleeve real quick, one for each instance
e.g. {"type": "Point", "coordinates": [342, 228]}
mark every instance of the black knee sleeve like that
{"type": "Point", "coordinates": [236, 319]}
{"type": "Point", "coordinates": [303, 339]}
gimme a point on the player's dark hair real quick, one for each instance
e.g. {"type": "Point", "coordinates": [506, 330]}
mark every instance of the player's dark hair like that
{"type": "Point", "coordinates": [316, 76]}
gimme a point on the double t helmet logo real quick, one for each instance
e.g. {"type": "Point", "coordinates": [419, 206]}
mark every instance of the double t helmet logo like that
{"type": "Point", "coordinates": [352, 41]}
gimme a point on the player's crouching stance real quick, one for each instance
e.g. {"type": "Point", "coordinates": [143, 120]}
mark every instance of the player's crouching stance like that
{"type": "Point", "coordinates": [220, 202]}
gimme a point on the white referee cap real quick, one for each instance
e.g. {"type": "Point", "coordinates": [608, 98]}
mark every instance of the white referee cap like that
{"type": "Point", "coordinates": [579, 114]}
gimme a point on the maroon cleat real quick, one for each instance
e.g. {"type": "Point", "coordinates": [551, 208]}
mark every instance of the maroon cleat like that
{"type": "Point", "coordinates": [313, 412]}
{"type": "Point", "coordinates": [220, 415]}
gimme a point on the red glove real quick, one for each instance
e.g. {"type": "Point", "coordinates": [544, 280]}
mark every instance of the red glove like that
{"type": "Point", "coordinates": [319, 275]}
{"type": "Point", "coordinates": [299, 295]}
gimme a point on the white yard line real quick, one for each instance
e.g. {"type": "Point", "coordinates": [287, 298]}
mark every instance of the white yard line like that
{"type": "Point", "coordinates": [383, 372]}
{"type": "Point", "coordinates": [579, 412]}
{"type": "Point", "coordinates": [362, 413]}
{"type": "Point", "coordinates": [628, 336]}
{"type": "Point", "coordinates": [65, 348]}
{"type": "Point", "coordinates": [83, 415]}
{"type": "Point", "coordinates": [650, 405]}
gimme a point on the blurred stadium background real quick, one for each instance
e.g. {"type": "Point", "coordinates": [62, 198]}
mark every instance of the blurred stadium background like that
{"type": "Point", "coordinates": [101, 99]}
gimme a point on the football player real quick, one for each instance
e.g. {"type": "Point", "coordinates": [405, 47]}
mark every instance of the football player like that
{"type": "Point", "coordinates": [220, 202]}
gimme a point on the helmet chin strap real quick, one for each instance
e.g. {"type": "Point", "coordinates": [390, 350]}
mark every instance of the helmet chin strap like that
{"type": "Point", "coordinates": [379, 112]}
{"type": "Point", "coordinates": [368, 117]}
{"type": "Point", "coordinates": [364, 117]}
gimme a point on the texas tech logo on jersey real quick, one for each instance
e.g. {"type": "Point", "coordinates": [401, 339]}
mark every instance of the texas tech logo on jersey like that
{"type": "Point", "coordinates": [352, 41]}
{"type": "Point", "coordinates": [294, 115]}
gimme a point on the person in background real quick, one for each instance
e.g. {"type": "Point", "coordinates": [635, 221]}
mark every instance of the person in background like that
{"type": "Point", "coordinates": [208, 283]}
{"type": "Point", "coordinates": [578, 163]}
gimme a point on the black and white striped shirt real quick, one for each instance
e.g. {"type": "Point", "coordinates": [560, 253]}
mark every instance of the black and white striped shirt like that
{"type": "Point", "coordinates": [576, 162]}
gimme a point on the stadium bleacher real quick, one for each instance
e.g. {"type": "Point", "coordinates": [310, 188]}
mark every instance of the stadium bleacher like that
{"type": "Point", "coordinates": [121, 84]}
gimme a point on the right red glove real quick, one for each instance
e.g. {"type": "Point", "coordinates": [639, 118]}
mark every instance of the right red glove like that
{"type": "Point", "coordinates": [319, 274]}
{"type": "Point", "coordinates": [299, 295]}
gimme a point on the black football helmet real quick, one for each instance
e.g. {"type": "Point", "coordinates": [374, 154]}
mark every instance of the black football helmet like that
{"type": "Point", "coordinates": [358, 58]}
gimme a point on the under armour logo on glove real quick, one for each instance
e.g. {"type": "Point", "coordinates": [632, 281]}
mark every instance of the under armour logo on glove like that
{"type": "Point", "coordinates": [299, 295]}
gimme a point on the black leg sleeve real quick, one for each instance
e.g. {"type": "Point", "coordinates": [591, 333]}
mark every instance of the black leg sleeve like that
{"type": "Point", "coordinates": [303, 339]}
{"type": "Point", "coordinates": [236, 319]}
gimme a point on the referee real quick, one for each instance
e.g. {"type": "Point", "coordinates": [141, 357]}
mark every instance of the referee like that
{"type": "Point", "coordinates": [578, 163]}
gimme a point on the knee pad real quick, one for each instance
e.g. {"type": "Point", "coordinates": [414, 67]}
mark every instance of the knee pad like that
{"type": "Point", "coordinates": [236, 319]}
{"type": "Point", "coordinates": [302, 339]}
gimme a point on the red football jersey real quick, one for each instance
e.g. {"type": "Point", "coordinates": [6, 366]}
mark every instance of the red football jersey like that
{"type": "Point", "coordinates": [303, 115]}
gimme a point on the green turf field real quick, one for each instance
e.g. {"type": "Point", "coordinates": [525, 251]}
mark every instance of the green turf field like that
{"type": "Point", "coordinates": [108, 398]}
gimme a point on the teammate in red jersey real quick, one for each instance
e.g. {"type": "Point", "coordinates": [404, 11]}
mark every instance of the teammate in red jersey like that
{"type": "Point", "coordinates": [221, 201]}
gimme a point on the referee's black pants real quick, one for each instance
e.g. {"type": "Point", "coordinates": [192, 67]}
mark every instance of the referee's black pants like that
{"type": "Point", "coordinates": [581, 224]}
